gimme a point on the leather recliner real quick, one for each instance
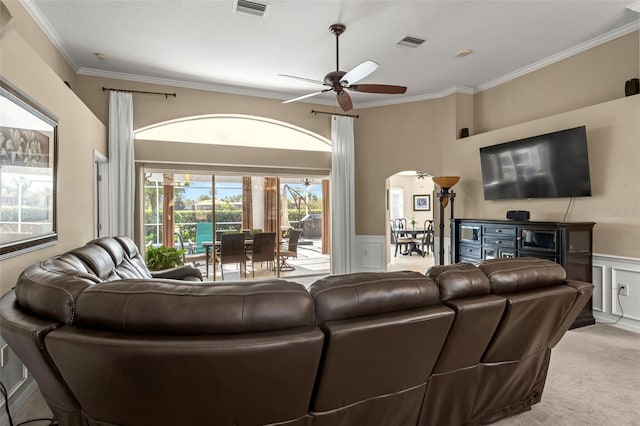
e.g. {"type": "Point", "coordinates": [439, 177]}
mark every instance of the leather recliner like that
{"type": "Point", "coordinates": [109, 345]}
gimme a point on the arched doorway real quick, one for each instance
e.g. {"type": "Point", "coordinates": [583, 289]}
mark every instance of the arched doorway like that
{"type": "Point", "coordinates": [409, 216]}
{"type": "Point", "coordinates": [227, 173]}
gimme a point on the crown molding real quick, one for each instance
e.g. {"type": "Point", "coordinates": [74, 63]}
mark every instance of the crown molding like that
{"type": "Point", "coordinates": [589, 44]}
{"type": "Point", "coordinates": [235, 90]}
{"type": "Point", "coordinates": [48, 31]}
{"type": "Point", "coordinates": [209, 87]}
{"type": "Point", "coordinates": [416, 98]}
{"type": "Point", "coordinates": [634, 6]}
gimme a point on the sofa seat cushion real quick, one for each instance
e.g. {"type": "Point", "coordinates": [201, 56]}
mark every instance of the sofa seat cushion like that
{"type": "Point", "coordinates": [525, 273]}
{"type": "Point", "coordinates": [174, 307]}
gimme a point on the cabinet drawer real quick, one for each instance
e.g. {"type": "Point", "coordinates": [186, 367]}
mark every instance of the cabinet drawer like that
{"type": "Point", "coordinates": [469, 252]}
{"type": "Point", "coordinates": [500, 241]}
{"type": "Point", "coordinates": [499, 230]}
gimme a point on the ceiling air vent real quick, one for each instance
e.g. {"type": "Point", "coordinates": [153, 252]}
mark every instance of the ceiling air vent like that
{"type": "Point", "coordinates": [411, 41]}
{"type": "Point", "coordinates": [250, 7]}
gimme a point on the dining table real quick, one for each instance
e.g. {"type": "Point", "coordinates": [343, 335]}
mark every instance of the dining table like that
{"type": "Point", "coordinates": [413, 232]}
{"type": "Point", "coordinates": [208, 249]}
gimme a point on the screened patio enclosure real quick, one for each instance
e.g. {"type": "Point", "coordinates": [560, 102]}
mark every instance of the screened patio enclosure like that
{"type": "Point", "coordinates": [191, 210]}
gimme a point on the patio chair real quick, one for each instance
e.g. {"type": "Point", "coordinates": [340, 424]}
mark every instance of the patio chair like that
{"type": "Point", "coordinates": [291, 251]}
{"type": "Point", "coordinates": [264, 245]}
{"type": "Point", "coordinates": [203, 233]}
{"type": "Point", "coordinates": [190, 255]}
{"type": "Point", "coordinates": [232, 251]}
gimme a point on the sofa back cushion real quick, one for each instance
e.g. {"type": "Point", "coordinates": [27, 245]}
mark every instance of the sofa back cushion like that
{"type": "Point", "coordinates": [384, 332]}
{"type": "Point", "coordinates": [459, 280]}
{"type": "Point", "coordinates": [511, 275]}
{"type": "Point", "coordinates": [52, 287]}
{"type": "Point", "coordinates": [173, 307]}
{"type": "Point", "coordinates": [362, 294]}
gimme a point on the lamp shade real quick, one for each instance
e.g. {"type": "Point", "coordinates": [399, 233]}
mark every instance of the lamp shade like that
{"type": "Point", "coordinates": [446, 181]}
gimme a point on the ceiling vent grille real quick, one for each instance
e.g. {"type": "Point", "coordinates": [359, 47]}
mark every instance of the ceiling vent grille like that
{"type": "Point", "coordinates": [250, 7]}
{"type": "Point", "coordinates": [411, 41]}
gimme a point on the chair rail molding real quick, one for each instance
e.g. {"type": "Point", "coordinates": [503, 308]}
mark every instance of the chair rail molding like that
{"type": "Point", "coordinates": [609, 274]}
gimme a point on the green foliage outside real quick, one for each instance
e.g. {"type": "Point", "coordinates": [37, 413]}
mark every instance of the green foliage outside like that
{"type": "Point", "coordinates": [29, 214]}
{"type": "Point", "coordinates": [162, 257]}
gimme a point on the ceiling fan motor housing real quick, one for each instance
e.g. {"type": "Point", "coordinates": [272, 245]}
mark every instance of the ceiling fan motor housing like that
{"type": "Point", "coordinates": [333, 79]}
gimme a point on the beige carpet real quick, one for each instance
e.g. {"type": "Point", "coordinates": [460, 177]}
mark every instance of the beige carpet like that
{"type": "Point", "coordinates": [593, 380]}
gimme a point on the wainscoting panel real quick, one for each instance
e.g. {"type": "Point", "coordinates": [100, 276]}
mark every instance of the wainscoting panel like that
{"type": "Point", "coordinates": [610, 304]}
{"type": "Point", "coordinates": [369, 254]}
{"type": "Point", "coordinates": [598, 291]}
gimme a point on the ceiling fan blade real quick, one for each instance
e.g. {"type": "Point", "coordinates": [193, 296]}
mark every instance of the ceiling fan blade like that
{"type": "Point", "coordinates": [344, 100]}
{"type": "Point", "coordinates": [378, 88]}
{"type": "Point", "coordinates": [359, 72]}
{"type": "Point", "coordinates": [308, 95]}
{"type": "Point", "coordinates": [310, 80]}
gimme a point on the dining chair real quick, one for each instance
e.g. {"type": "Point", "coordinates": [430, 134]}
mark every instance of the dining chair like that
{"type": "Point", "coordinates": [232, 251]}
{"type": "Point", "coordinates": [427, 238]}
{"type": "Point", "coordinates": [398, 239]}
{"type": "Point", "coordinates": [263, 250]}
{"type": "Point", "coordinates": [291, 251]}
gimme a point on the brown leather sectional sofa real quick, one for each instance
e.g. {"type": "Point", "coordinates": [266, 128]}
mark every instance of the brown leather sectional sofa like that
{"type": "Point", "coordinates": [109, 344]}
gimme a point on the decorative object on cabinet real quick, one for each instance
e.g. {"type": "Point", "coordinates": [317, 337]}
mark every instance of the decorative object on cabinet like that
{"type": "Point", "coordinates": [445, 183]}
{"type": "Point", "coordinates": [566, 243]}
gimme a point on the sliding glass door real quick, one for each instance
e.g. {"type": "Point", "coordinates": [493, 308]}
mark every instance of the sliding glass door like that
{"type": "Point", "coordinates": [193, 210]}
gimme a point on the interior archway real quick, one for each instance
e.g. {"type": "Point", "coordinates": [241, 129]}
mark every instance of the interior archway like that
{"type": "Point", "coordinates": [410, 195]}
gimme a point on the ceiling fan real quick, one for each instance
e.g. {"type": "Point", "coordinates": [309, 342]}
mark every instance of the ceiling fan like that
{"type": "Point", "coordinates": [338, 80]}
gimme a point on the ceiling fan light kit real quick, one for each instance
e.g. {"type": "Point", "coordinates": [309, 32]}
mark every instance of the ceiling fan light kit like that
{"type": "Point", "coordinates": [338, 81]}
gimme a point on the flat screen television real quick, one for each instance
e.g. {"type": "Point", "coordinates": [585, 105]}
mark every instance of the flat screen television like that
{"type": "Point", "coordinates": [545, 166]}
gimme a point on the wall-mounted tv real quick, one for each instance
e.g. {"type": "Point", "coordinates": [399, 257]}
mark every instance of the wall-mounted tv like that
{"type": "Point", "coordinates": [544, 166]}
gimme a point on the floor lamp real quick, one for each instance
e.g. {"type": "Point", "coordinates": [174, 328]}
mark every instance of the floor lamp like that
{"type": "Point", "coordinates": [445, 183]}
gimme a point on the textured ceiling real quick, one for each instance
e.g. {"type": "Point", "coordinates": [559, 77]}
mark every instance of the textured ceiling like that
{"type": "Point", "coordinates": [207, 45]}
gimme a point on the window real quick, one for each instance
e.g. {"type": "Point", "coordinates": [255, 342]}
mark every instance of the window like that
{"type": "Point", "coordinates": [396, 203]}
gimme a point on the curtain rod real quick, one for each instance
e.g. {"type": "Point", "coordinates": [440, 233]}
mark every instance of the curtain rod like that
{"type": "Point", "coordinates": [313, 111]}
{"type": "Point", "coordinates": [166, 95]}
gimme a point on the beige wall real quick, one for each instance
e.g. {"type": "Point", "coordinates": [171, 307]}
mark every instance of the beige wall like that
{"type": "Point", "coordinates": [79, 133]}
{"type": "Point", "coordinates": [38, 41]}
{"type": "Point", "coordinates": [392, 139]}
{"type": "Point", "coordinates": [588, 78]}
{"type": "Point", "coordinates": [613, 135]}
{"type": "Point", "coordinates": [148, 109]}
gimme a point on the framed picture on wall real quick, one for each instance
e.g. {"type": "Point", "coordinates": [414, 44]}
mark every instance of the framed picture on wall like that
{"type": "Point", "coordinates": [421, 203]}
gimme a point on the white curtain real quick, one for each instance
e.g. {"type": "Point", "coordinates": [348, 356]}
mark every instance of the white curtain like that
{"type": "Point", "coordinates": [343, 232]}
{"type": "Point", "coordinates": [121, 164]}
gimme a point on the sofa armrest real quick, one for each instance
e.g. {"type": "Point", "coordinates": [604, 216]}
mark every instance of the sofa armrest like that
{"type": "Point", "coordinates": [25, 334]}
{"type": "Point", "coordinates": [184, 273]}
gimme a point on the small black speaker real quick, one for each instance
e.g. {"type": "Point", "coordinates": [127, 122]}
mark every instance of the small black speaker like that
{"type": "Point", "coordinates": [518, 215]}
{"type": "Point", "coordinates": [464, 132]}
{"type": "Point", "coordinates": [632, 87]}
